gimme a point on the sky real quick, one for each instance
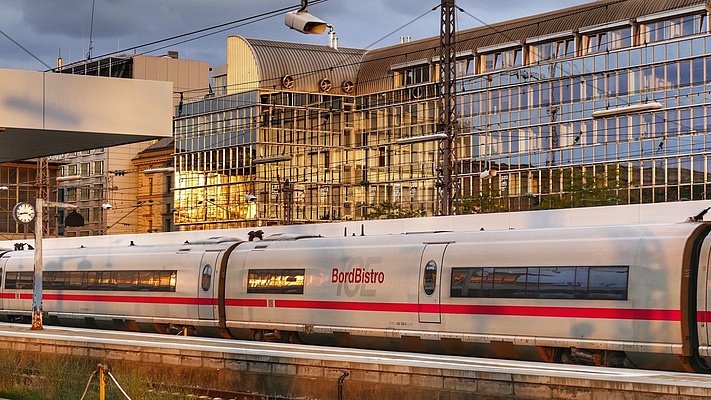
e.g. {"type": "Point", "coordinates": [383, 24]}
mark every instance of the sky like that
{"type": "Point", "coordinates": [34, 33]}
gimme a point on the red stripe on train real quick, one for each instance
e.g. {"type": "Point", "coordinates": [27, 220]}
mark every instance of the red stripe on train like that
{"type": "Point", "coordinates": [520, 311]}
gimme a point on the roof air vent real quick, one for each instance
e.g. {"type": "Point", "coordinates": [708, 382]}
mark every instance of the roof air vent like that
{"type": "Point", "coordinates": [325, 85]}
{"type": "Point", "coordinates": [347, 86]}
{"type": "Point", "coordinates": [287, 81]}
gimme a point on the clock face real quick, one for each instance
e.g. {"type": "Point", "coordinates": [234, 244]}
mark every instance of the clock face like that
{"type": "Point", "coordinates": [23, 212]}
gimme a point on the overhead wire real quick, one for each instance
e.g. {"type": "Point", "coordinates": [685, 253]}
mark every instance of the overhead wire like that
{"type": "Point", "coordinates": [216, 28]}
{"type": "Point", "coordinates": [25, 49]}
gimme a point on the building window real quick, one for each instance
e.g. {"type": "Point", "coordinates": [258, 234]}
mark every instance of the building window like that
{"type": "Point", "coordinates": [552, 50]}
{"type": "Point", "coordinates": [167, 225]}
{"type": "Point", "coordinates": [97, 192]}
{"type": "Point", "coordinates": [606, 41]}
{"type": "Point", "coordinates": [98, 167]}
{"type": "Point", "coordinates": [167, 184]}
{"type": "Point", "coordinates": [71, 194]}
{"type": "Point", "coordinates": [382, 157]}
{"type": "Point", "coordinates": [502, 59]}
{"type": "Point", "coordinates": [84, 169]}
{"type": "Point", "coordinates": [466, 66]}
{"type": "Point", "coordinates": [413, 75]}
{"type": "Point", "coordinates": [677, 27]}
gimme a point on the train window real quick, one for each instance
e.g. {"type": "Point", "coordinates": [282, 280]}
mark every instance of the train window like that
{"type": "Point", "coordinates": [429, 280]}
{"type": "Point", "coordinates": [509, 282]}
{"type": "Point", "coordinates": [608, 283]}
{"type": "Point", "coordinates": [276, 281]}
{"type": "Point", "coordinates": [206, 280]}
{"type": "Point", "coordinates": [590, 283]}
{"type": "Point", "coordinates": [472, 282]}
{"type": "Point", "coordinates": [143, 281]}
{"type": "Point", "coordinates": [19, 280]}
{"type": "Point", "coordinates": [556, 283]}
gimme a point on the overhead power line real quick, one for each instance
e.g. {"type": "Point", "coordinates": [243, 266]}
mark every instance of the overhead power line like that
{"type": "Point", "coordinates": [216, 28]}
{"type": "Point", "coordinates": [23, 48]}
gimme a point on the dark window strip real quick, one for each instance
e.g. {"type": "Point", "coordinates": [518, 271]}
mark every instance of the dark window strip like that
{"type": "Point", "coordinates": [586, 283]}
{"type": "Point", "coordinates": [129, 281]}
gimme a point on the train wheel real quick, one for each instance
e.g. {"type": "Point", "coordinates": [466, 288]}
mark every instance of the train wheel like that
{"type": "Point", "coordinates": [258, 335]}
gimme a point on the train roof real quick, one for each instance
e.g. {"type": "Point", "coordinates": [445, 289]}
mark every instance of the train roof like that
{"type": "Point", "coordinates": [284, 240]}
{"type": "Point", "coordinates": [685, 229]}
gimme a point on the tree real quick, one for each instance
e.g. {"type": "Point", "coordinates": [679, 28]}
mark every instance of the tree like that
{"type": "Point", "coordinates": [581, 189]}
{"type": "Point", "coordinates": [389, 210]}
{"type": "Point", "coordinates": [486, 202]}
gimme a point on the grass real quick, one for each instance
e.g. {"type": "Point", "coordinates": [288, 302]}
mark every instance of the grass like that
{"type": "Point", "coordinates": [48, 377]}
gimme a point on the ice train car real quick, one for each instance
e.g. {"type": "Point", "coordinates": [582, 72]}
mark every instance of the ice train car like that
{"type": "Point", "coordinates": [632, 295]}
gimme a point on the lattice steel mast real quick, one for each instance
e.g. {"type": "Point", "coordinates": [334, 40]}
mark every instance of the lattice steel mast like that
{"type": "Point", "coordinates": [448, 182]}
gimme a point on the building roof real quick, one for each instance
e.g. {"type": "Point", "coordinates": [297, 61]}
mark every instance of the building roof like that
{"type": "Point", "coordinates": [373, 75]}
{"type": "Point", "coordinates": [307, 64]}
{"type": "Point", "coordinates": [162, 144]}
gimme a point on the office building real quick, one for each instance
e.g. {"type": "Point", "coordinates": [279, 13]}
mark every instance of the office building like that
{"type": "Point", "coordinates": [603, 103]}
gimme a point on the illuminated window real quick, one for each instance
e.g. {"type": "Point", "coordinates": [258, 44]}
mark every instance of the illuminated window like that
{"type": "Point", "coordinates": [137, 281]}
{"type": "Point", "coordinates": [276, 281]}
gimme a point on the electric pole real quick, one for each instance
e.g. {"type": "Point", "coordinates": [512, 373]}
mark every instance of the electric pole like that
{"type": "Point", "coordinates": [447, 182]}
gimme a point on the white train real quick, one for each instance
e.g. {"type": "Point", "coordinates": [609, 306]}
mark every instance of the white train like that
{"type": "Point", "coordinates": [634, 295]}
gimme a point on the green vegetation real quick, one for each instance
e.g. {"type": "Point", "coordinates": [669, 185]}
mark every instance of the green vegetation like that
{"type": "Point", "coordinates": [389, 210]}
{"type": "Point", "coordinates": [583, 189]}
{"type": "Point", "coordinates": [42, 377]}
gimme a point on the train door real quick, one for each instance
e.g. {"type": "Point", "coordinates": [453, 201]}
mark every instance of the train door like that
{"type": "Point", "coordinates": [206, 289]}
{"type": "Point", "coordinates": [3, 261]}
{"type": "Point", "coordinates": [703, 300]}
{"type": "Point", "coordinates": [430, 277]}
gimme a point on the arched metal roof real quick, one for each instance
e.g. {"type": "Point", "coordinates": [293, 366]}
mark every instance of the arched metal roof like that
{"type": "Point", "coordinates": [306, 64]}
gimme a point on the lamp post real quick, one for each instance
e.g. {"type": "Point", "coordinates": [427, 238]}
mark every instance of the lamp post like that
{"type": "Point", "coordinates": [37, 278]}
{"type": "Point", "coordinates": [37, 287]}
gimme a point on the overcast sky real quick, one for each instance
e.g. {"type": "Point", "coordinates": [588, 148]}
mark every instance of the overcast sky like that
{"type": "Point", "coordinates": [49, 28]}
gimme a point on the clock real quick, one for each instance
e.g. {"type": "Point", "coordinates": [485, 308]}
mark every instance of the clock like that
{"type": "Point", "coordinates": [23, 212]}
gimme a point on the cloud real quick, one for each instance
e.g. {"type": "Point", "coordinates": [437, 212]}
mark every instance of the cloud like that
{"type": "Point", "coordinates": [48, 27]}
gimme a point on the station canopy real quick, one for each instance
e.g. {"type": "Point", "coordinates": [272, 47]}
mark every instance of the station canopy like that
{"type": "Point", "coordinates": [46, 113]}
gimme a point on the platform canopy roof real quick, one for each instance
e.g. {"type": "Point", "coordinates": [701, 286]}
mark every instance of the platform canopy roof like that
{"type": "Point", "coordinates": [45, 113]}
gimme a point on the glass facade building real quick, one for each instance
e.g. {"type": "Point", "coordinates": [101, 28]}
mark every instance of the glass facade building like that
{"type": "Point", "coordinates": [600, 104]}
